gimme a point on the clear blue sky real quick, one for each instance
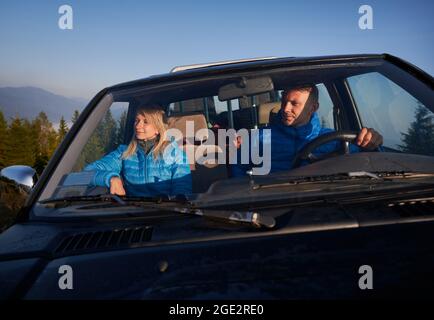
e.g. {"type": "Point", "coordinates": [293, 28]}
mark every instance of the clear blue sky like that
{"type": "Point", "coordinates": [116, 41]}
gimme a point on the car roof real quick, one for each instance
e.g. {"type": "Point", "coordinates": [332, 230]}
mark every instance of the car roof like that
{"type": "Point", "coordinates": [217, 63]}
{"type": "Point", "coordinates": [245, 65]}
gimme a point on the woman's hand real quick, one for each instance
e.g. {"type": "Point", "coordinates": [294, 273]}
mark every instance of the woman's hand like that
{"type": "Point", "coordinates": [116, 186]}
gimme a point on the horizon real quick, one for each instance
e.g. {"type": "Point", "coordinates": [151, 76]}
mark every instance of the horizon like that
{"type": "Point", "coordinates": [43, 89]}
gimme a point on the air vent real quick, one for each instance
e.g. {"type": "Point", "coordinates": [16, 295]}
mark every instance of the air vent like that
{"type": "Point", "coordinates": [413, 208]}
{"type": "Point", "coordinates": [105, 239]}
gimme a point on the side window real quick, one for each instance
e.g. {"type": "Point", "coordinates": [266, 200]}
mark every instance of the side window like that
{"type": "Point", "coordinates": [205, 105]}
{"type": "Point", "coordinates": [108, 135]}
{"type": "Point", "coordinates": [190, 106]}
{"type": "Point", "coordinates": [222, 106]}
{"type": "Point", "coordinates": [325, 111]}
{"type": "Point", "coordinates": [405, 123]}
{"type": "Point", "coordinates": [222, 111]}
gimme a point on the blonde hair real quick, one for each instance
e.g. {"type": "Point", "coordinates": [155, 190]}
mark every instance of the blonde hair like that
{"type": "Point", "coordinates": [154, 115]}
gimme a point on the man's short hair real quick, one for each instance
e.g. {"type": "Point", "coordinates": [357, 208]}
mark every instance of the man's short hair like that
{"type": "Point", "coordinates": [311, 88]}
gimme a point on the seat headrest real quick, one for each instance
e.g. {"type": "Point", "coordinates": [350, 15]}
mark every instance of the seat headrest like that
{"type": "Point", "coordinates": [265, 109]}
{"type": "Point", "coordinates": [180, 123]}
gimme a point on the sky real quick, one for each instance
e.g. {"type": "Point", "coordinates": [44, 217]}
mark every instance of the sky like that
{"type": "Point", "coordinates": [116, 41]}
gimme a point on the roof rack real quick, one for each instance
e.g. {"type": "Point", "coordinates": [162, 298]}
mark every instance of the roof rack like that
{"type": "Point", "coordinates": [218, 63]}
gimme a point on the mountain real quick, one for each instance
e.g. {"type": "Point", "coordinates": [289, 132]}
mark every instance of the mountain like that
{"type": "Point", "coordinates": [27, 102]}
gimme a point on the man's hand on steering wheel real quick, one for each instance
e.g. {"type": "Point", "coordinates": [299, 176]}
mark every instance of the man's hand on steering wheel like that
{"type": "Point", "coordinates": [369, 139]}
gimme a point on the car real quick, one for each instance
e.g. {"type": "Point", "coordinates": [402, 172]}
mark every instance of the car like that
{"type": "Point", "coordinates": [347, 225]}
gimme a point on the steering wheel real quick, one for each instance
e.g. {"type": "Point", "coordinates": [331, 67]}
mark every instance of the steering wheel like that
{"type": "Point", "coordinates": [306, 153]}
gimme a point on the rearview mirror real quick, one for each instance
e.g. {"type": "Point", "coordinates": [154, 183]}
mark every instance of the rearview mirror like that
{"type": "Point", "coordinates": [246, 87]}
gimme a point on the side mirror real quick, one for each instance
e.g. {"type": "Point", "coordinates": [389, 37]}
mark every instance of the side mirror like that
{"type": "Point", "coordinates": [24, 176]}
{"type": "Point", "coordinates": [15, 185]}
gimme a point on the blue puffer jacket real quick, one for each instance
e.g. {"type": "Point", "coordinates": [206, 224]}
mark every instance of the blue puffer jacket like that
{"type": "Point", "coordinates": [286, 141]}
{"type": "Point", "coordinates": [142, 175]}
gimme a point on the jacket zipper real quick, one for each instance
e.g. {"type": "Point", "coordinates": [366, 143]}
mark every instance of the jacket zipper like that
{"type": "Point", "coordinates": [146, 168]}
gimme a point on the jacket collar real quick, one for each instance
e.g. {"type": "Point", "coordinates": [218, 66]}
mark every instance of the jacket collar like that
{"type": "Point", "coordinates": [312, 128]}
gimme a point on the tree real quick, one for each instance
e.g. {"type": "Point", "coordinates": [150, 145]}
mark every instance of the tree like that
{"type": "Point", "coordinates": [19, 146]}
{"type": "Point", "coordinates": [92, 151]}
{"type": "Point", "coordinates": [323, 122]}
{"type": "Point", "coordinates": [63, 130]}
{"type": "Point", "coordinates": [3, 139]}
{"type": "Point", "coordinates": [419, 138]}
{"type": "Point", "coordinates": [107, 136]}
{"type": "Point", "coordinates": [107, 132]}
{"type": "Point", "coordinates": [120, 132]}
{"type": "Point", "coordinates": [47, 135]}
{"type": "Point", "coordinates": [75, 116]}
{"type": "Point", "coordinates": [45, 140]}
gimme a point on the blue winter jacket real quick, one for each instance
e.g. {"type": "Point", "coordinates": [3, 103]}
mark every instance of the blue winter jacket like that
{"type": "Point", "coordinates": [142, 175]}
{"type": "Point", "coordinates": [286, 141]}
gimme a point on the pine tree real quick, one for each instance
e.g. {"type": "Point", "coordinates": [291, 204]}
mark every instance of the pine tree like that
{"type": "Point", "coordinates": [41, 159]}
{"type": "Point", "coordinates": [419, 138]}
{"type": "Point", "coordinates": [19, 146]}
{"type": "Point", "coordinates": [102, 141]}
{"type": "Point", "coordinates": [107, 132]}
{"type": "Point", "coordinates": [75, 116]}
{"type": "Point", "coordinates": [45, 140]}
{"type": "Point", "coordinates": [3, 139]}
{"type": "Point", "coordinates": [323, 122]}
{"type": "Point", "coordinates": [63, 130]}
{"type": "Point", "coordinates": [120, 131]}
{"type": "Point", "coordinates": [28, 129]}
{"type": "Point", "coordinates": [92, 151]}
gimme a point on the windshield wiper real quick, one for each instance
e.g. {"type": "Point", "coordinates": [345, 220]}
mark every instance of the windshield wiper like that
{"type": "Point", "coordinates": [165, 203]}
{"type": "Point", "coordinates": [245, 217]}
{"type": "Point", "coordinates": [121, 200]}
{"type": "Point", "coordinates": [353, 175]}
{"type": "Point", "coordinates": [249, 217]}
{"type": "Point", "coordinates": [363, 174]}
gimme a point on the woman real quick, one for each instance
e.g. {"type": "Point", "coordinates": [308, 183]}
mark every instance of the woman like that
{"type": "Point", "coordinates": [149, 166]}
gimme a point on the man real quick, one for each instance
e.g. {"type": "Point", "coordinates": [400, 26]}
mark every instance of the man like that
{"type": "Point", "coordinates": [296, 124]}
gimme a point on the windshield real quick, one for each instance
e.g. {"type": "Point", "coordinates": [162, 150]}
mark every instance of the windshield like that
{"type": "Point", "coordinates": [181, 139]}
